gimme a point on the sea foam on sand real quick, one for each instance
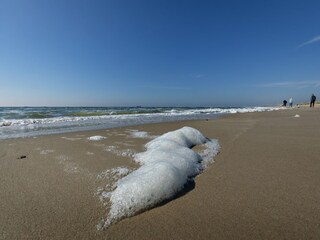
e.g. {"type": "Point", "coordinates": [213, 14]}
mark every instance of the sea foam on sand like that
{"type": "Point", "coordinates": [96, 138]}
{"type": "Point", "coordinates": [166, 167]}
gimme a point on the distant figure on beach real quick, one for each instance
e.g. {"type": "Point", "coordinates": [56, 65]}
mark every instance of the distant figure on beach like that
{"type": "Point", "coordinates": [312, 100]}
{"type": "Point", "coordinates": [284, 103]}
{"type": "Point", "coordinates": [290, 102]}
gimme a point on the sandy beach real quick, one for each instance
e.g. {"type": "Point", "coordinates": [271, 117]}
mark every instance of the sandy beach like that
{"type": "Point", "coordinates": [264, 183]}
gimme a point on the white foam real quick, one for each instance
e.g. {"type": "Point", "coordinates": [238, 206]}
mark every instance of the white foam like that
{"type": "Point", "coordinates": [167, 165]}
{"type": "Point", "coordinates": [5, 124]}
{"type": "Point", "coordinates": [127, 153]}
{"type": "Point", "coordinates": [124, 153]}
{"type": "Point", "coordinates": [297, 115]}
{"type": "Point", "coordinates": [112, 175]}
{"type": "Point", "coordinates": [140, 134]}
{"type": "Point", "coordinates": [114, 172]}
{"type": "Point", "coordinates": [96, 138]}
{"type": "Point", "coordinates": [47, 151]}
{"type": "Point", "coordinates": [211, 149]}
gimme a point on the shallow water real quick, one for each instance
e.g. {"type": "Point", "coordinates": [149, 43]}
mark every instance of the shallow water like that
{"type": "Point", "coordinates": [18, 122]}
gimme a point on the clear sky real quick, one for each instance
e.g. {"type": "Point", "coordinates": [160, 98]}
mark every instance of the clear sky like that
{"type": "Point", "coordinates": [158, 52]}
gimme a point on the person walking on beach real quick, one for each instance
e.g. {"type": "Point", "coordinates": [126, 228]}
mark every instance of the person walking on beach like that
{"type": "Point", "coordinates": [312, 100]}
{"type": "Point", "coordinates": [290, 102]}
{"type": "Point", "coordinates": [284, 103]}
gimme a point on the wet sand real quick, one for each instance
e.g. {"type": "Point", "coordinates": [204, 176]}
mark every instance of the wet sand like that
{"type": "Point", "coordinates": [264, 184]}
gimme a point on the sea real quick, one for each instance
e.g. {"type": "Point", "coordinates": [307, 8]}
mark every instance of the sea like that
{"type": "Point", "coordinates": [18, 122]}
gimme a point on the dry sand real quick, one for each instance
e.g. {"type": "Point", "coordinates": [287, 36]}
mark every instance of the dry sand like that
{"type": "Point", "coordinates": [264, 184]}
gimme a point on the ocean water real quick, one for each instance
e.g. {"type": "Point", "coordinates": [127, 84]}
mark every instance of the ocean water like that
{"type": "Point", "coordinates": [16, 122]}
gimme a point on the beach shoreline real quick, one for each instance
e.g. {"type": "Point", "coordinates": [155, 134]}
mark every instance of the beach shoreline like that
{"type": "Point", "coordinates": [17, 122]}
{"type": "Point", "coordinates": [262, 185]}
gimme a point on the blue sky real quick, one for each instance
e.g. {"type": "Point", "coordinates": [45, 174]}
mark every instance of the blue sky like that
{"type": "Point", "coordinates": [158, 53]}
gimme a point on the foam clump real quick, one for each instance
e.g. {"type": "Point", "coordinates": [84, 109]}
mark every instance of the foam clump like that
{"type": "Point", "coordinates": [96, 138]}
{"type": "Point", "coordinates": [166, 167]}
{"type": "Point", "coordinates": [297, 115]}
{"type": "Point", "coordinates": [139, 134]}
{"type": "Point", "coordinates": [114, 172]}
{"type": "Point", "coordinates": [5, 124]}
